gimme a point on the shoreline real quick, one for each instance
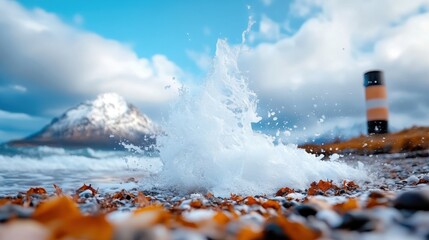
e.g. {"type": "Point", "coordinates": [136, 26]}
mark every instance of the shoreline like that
{"type": "Point", "coordinates": [409, 140]}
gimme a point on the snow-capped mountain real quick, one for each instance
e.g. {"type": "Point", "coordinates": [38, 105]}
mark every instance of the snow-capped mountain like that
{"type": "Point", "coordinates": [102, 123]}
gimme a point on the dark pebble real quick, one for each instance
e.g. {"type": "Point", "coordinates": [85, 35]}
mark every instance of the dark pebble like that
{"type": "Point", "coordinates": [85, 194]}
{"type": "Point", "coordinates": [305, 210]}
{"type": "Point", "coordinates": [273, 231]}
{"type": "Point", "coordinates": [319, 193]}
{"type": "Point", "coordinates": [376, 194]}
{"type": "Point", "coordinates": [136, 234]}
{"type": "Point", "coordinates": [288, 204]}
{"type": "Point", "coordinates": [341, 191]}
{"type": "Point", "coordinates": [410, 227]}
{"type": "Point", "coordinates": [413, 200]}
{"type": "Point", "coordinates": [357, 221]}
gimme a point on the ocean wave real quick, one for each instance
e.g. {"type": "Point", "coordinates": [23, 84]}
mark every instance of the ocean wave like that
{"type": "Point", "coordinates": [68, 162]}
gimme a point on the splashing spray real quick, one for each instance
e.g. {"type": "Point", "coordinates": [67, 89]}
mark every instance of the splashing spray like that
{"type": "Point", "coordinates": [210, 145]}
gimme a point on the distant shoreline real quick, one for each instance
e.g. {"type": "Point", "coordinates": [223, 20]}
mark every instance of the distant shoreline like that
{"type": "Point", "coordinates": [408, 140]}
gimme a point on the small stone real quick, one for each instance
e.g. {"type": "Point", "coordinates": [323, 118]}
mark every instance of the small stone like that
{"type": "Point", "coordinates": [390, 182]}
{"type": "Point", "coordinates": [24, 229]}
{"type": "Point", "coordinates": [413, 200]}
{"type": "Point", "coordinates": [357, 221]}
{"type": "Point", "coordinates": [330, 217]}
{"type": "Point", "coordinates": [86, 194]}
{"type": "Point", "coordinates": [376, 194]}
{"type": "Point", "coordinates": [412, 180]}
{"type": "Point", "coordinates": [273, 231]}
{"type": "Point", "coordinates": [341, 191]}
{"type": "Point", "coordinates": [180, 234]}
{"type": "Point", "coordinates": [288, 204]}
{"type": "Point", "coordinates": [9, 211]}
{"type": "Point", "coordinates": [305, 210]}
{"type": "Point", "coordinates": [137, 234]}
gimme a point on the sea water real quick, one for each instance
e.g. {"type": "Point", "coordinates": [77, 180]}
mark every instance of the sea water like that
{"type": "Point", "coordinates": [210, 145]}
{"type": "Point", "coordinates": [22, 168]}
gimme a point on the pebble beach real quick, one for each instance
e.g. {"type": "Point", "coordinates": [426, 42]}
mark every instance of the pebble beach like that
{"type": "Point", "coordinates": [394, 205]}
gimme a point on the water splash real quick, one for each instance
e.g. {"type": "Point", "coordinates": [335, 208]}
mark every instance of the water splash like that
{"type": "Point", "coordinates": [210, 143]}
{"type": "Point", "coordinates": [246, 32]}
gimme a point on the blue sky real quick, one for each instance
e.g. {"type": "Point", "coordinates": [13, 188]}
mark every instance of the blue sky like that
{"type": "Point", "coordinates": [166, 26]}
{"type": "Point", "coordinates": [152, 27]}
{"type": "Point", "coordinates": [304, 58]}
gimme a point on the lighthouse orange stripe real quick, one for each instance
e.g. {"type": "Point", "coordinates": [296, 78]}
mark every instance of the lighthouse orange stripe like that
{"type": "Point", "coordinates": [375, 92]}
{"type": "Point", "coordinates": [377, 114]}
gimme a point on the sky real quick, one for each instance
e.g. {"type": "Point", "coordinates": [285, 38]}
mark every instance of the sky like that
{"type": "Point", "coordinates": [304, 59]}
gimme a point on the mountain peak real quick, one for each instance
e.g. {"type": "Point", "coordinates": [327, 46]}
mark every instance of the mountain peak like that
{"type": "Point", "coordinates": [113, 104]}
{"type": "Point", "coordinates": [107, 108]}
{"type": "Point", "coordinates": [102, 122]}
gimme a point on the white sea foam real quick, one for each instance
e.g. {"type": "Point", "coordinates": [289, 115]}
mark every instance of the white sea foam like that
{"type": "Point", "coordinates": [209, 142]}
{"type": "Point", "coordinates": [71, 168]}
{"type": "Point", "coordinates": [72, 163]}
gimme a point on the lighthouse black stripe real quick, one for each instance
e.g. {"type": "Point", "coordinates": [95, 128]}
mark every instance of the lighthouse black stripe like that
{"type": "Point", "coordinates": [378, 127]}
{"type": "Point", "coordinates": [373, 78]}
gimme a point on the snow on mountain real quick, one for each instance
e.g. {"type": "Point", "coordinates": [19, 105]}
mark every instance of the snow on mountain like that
{"type": "Point", "coordinates": [108, 113]}
{"type": "Point", "coordinates": [101, 123]}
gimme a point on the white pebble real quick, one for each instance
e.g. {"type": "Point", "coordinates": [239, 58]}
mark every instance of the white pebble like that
{"type": "Point", "coordinates": [330, 217]}
{"type": "Point", "coordinates": [412, 180]}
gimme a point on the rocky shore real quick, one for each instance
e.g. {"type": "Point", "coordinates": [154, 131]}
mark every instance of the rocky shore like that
{"type": "Point", "coordinates": [405, 141]}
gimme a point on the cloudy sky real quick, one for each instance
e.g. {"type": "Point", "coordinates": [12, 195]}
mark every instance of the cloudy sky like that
{"type": "Point", "coordinates": [305, 59]}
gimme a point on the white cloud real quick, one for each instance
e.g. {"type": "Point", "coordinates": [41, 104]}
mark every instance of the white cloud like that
{"type": "Point", "coordinates": [19, 88]}
{"type": "Point", "coordinates": [78, 19]}
{"type": "Point", "coordinates": [50, 59]}
{"type": "Point", "coordinates": [267, 2]}
{"type": "Point", "coordinates": [12, 88]}
{"type": "Point", "coordinates": [323, 62]}
{"type": "Point", "coordinates": [268, 30]}
{"type": "Point", "coordinates": [14, 116]}
{"type": "Point", "coordinates": [202, 59]}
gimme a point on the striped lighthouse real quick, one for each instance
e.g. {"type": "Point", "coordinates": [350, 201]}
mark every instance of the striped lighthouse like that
{"type": "Point", "coordinates": [376, 102]}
